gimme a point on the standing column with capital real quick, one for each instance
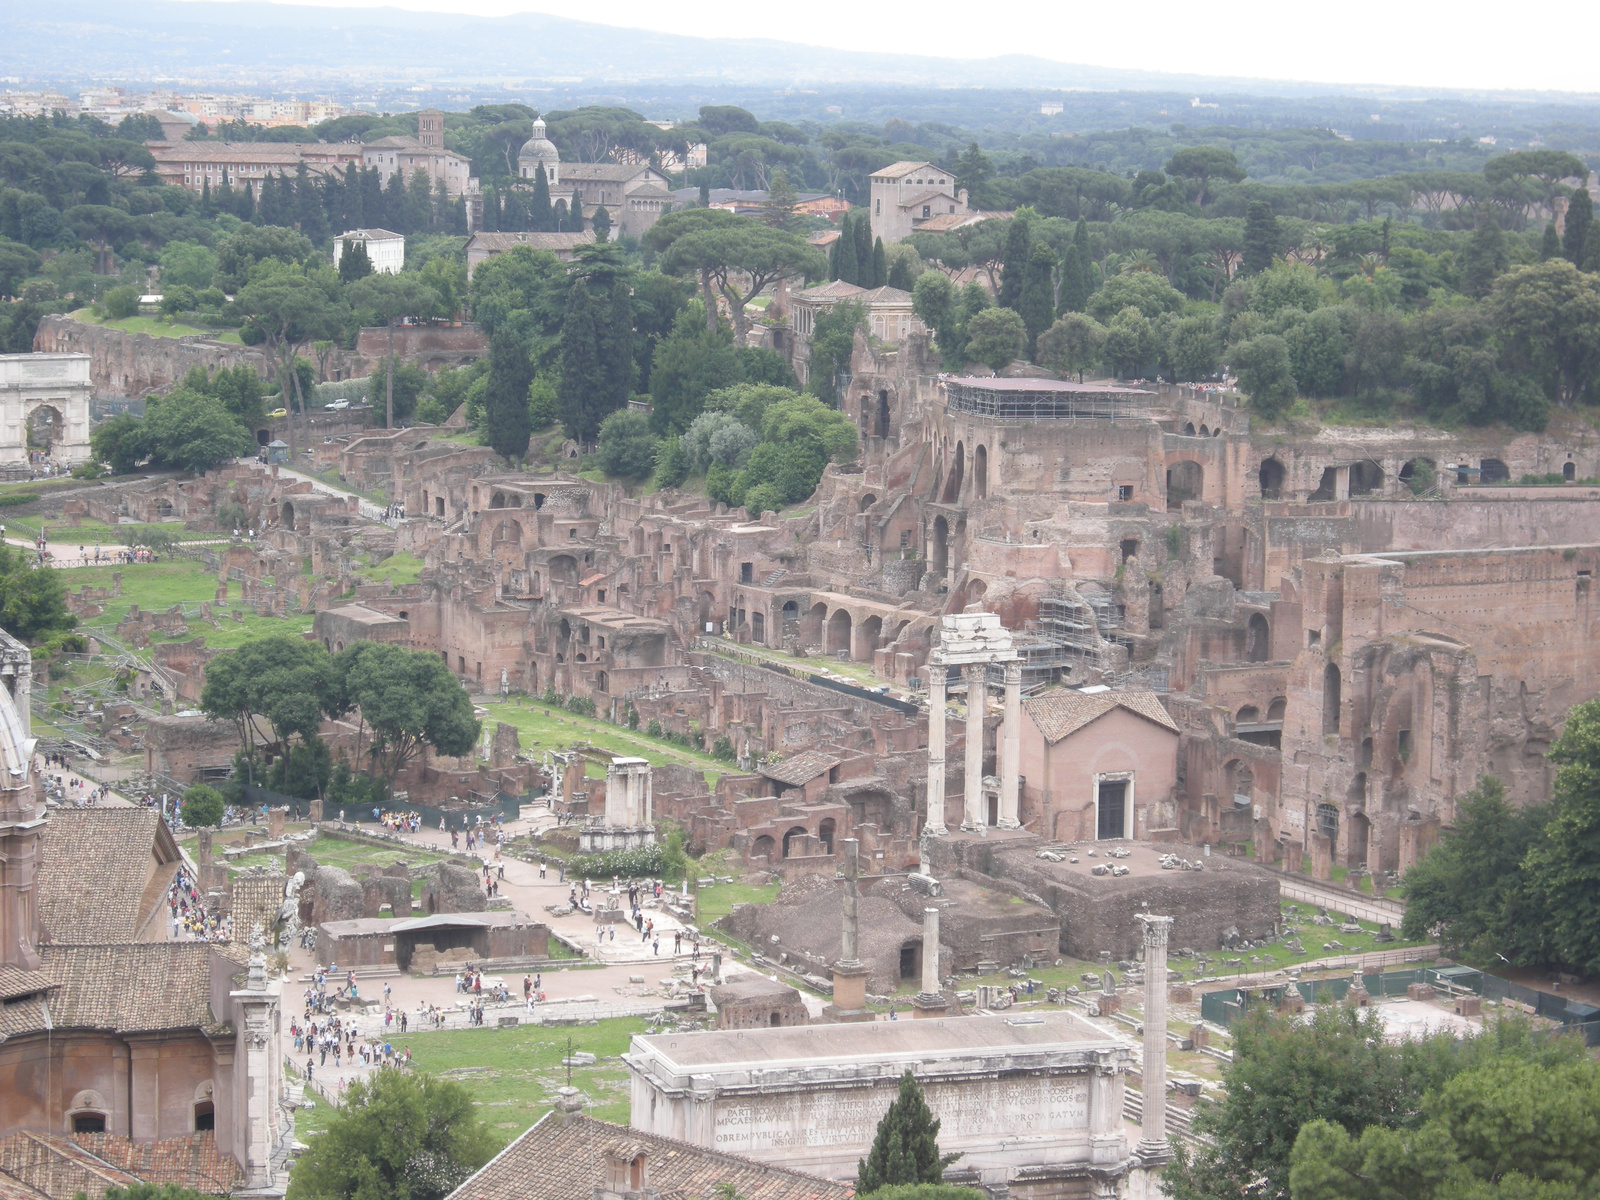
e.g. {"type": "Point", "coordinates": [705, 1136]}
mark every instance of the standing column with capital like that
{"type": "Point", "coordinates": [972, 814]}
{"type": "Point", "coordinates": [1153, 1141]}
{"type": "Point", "coordinates": [930, 1002]}
{"type": "Point", "coordinates": [936, 701]}
{"type": "Point", "coordinates": [1011, 749]}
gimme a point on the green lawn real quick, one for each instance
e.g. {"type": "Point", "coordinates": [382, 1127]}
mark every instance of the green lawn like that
{"type": "Point", "coordinates": [155, 587]}
{"type": "Point", "coordinates": [513, 1074]}
{"type": "Point", "coordinates": [720, 899]}
{"type": "Point", "coordinates": [157, 327]}
{"type": "Point", "coordinates": [90, 533]}
{"type": "Point", "coordinates": [397, 570]}
{"type": "Point", "coordinates": [554, 728]}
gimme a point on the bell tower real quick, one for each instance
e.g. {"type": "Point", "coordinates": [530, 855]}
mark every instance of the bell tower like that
{"type": "Point", "coordinates": [430, 129]}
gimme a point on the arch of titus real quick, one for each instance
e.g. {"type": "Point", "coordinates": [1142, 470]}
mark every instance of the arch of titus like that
{"type": "Point", "coordinates": [970, 641]}
{"type": "Point", "coordinates": [59, 385]}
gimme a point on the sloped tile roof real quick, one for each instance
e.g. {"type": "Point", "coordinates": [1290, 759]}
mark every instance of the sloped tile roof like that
{"type": "Point", "coordinates": [46, 1166]}
{"type": "Point", "coordinates": [57, 1166]}
{"type": "Point", "coordinates": [14, 981]}
{"type": "Point", "coordinates": [802, 768]}
{"type": "Point", "coordinates": [1065, 711]}
{"type": "Point", "coordinates": [566, 1160]}
{"type": "Point", "coordinates": [191, 1161]}
{"type": "Point", "coordinates": [135, 988]}
{"type": "Point", "coordinates": [94, 867]}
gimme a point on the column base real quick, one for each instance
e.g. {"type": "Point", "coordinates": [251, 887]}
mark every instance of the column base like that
{"type": "Point", "coordinates": [1005, 824]}
{"type": "Point", "coordinates": [849, 995]}
{"type": "Point", "coordinates": [974, 827]}
{"type": "Point", "coordinates": [1152, 1154]}
{"type": "Point", "coordinates": [935, 831]}
{"type": "Point", "coordinates": [924, 1005]}
{"type": "Point", "coordinates": [846, 1016]}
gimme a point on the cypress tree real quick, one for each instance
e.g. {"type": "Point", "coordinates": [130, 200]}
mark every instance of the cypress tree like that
{"type": "Point", "coordinates": [1090, 277]}
{"type": "Point", "coordinates": [310, 214]}
{"type": "Point", "coordinates": [350, 212]}
{"type": "Point", "coordinates": [540, 217]}
{"type": "Point", "coordinates": [906, 1148]}
{"type": "Point", "coordinates": [849, 272]}
{"type": "Point", "coordinates": [575, 213]}
{"type": "Point", "coordinates": [394, 203]}
{"type": "Point", "coordinates": [582, 369]}
{"type": "Point", "coordinates": [513, 213]}
{"type": "Point", "coordinates": [900, 275]}
{"type": "Point", "coordinates": [355, 263]}
{"type": "Point", "coordinates": [1550, 247]}
{"type": "Point", "coordinates": [863, 251]}
{"type": "Point", "coordinates": [705, 195]}
{"type": "Point", "coordinates": [880, 269]}
{"type": "Point", "coordinates": [1580, 213]}
{"type": "Point", "coordinates": [1074, 295]}
{"type": "Point", "coordinates": [207, 208]}
{"type": "Point", "coordinates": [1262, 240]}
{"type": "Point", "coordinates": [372, 210]}
{"type": "Point", "coordinates": [1036, 305]}
{"type": "Point", "coordinates": [616, 344]}
{"type": "Point", "coordinates": [1591, 255]}
{"type": "Point", "coordinates": [506, 420]}
{"type": "Point", "coordinates": [244, 202]}
{"type": "Point", "coordinates": [602, 224]}
{"type": "Point", "coordinates": [1014, 263]}
{"type": "Point", "coordinates": [270, 208]}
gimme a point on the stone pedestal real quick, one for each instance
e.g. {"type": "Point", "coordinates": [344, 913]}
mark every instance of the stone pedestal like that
{"type": "Point", "coordinates": [1321, 857]}
{"type": "Point", "coordinates": [316, 812]}
{"type": "Point", "coordinates": [849, 995]}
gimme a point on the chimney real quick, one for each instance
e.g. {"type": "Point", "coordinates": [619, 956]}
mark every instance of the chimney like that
{"type": "Point", "coordinates": [569, 1104]}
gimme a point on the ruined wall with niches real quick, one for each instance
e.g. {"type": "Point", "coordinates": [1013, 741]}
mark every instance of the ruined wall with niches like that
{"type": "Point", "coordinates": [1476, 518]}
{"type": "Point", "coordinates": [1069, 459]}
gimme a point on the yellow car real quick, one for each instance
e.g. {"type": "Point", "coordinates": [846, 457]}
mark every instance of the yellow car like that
{"type": "Point", "coordinates": [278, 414]}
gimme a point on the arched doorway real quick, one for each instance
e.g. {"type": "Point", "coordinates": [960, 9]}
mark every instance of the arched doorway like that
{"type": "Point", "coordinates": [881, 429]}
{"type": "Point", "coordinates": [939, 551]}
{"type": "Point", "coordinates": [1418, 474]}
{"type": "Point", "coordinates": [871, 808]}
{"type": "Point", "coordinates": [867, 502]}
{"type": "Point", "coordinates": [286, 515]}
{"type": "Point", "coordinates": [758, 627]}
{"type": "Point", "coordinates": [1326, 486]}
{"type": "Point", "coordinates": [763, 847]}
{"type": "Point", "coordinates": [1328, 822]}
{"type": "Point", "coordinates": [1248, 715]}
{"type": "Point", "coordinates": [1569, 472]}
{"type": "Point", "coordinates": [1360, 831]}
{"type": "Point", "coordinates": [1271, 476]}
{"type": "Point", "coordinates": [1366, 477]}
{"type": "Point", "coordinates": [871, 634]}
{"type": "Point", "coordinates": [46, 428]}
{"type": "Point", "coordinates": [1185, 481]}
{"type": "Point", "coordinates": [1258, 641]}
{"type": "Point", "coordinates": [1276, 708]}
{"type": "Point", "coordinates": [1492, 470]}
{"type": "Point", "coordinates": [799, 831]}
{"type": "Point", "coordinates": [980, 472]}
{"type": "Point", "coordinates": [958, 469]}
{"type": "Point", "coordinates": [839, 632]}
{"type": "Point", "coordinates": [1158, 617]}
{"type": "Point", "coordinates": [1331, 687]}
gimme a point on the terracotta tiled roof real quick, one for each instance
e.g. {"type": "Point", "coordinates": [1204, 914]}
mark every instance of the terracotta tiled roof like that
{"type": "Point", "coordinates": [1065, 711]}
{"type": "Point", "coordinates": [95, 866]}
{"type": "Point", "coordinates": [561, 1160]}
{"type": "Point", "coordinates": [192, 1161]}
{"type": "Point", "coordinates": [14, 982]}
{"type": "Point", "coordinates": [896, 170]}
{"type": "Point", "coordinates": [602, 172]}
{"type": "Point", "coordinates": [35, 1166]}
{"type": "Point", "coordinates": [802, 768]}
{"type": "Point", "coordinates": [828, 291]}
{"type": "Point", "coordinates": [57, 1166]}
{"type": "Point", "coordinates": [137, 988]}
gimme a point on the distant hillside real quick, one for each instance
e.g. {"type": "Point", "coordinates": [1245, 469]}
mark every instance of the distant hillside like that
{"type": "Point", "coordinates": [205, 41]}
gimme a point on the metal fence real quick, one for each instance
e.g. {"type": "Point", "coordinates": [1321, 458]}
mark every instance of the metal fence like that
{"type": "Point", "coordinates": [1225, 1006]}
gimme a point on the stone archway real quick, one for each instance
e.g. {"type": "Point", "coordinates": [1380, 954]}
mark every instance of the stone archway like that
{"type": "Point", "coordinates": [839, 628]}
{"type": "Point", "coordinates": [286, 515]}
{"type": "Point", "coordinates": [958, 468]}
{"type": "Point", "coordinates": [980, 472]}
{"type": "Point", "coordinates": [939, 550]}
{"type": "Point", "coordinates": [799, 831]}
{"type": "Point", "coordinates": [1271, 476]}
{"type": "Point", "coordinates": [1185, 481]}
{"type": "Point", "coordinates": [1258, 640]}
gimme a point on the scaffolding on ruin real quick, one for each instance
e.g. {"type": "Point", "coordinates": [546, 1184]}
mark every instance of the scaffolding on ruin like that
{"type": "Point", "coordinates": [1044, 399]}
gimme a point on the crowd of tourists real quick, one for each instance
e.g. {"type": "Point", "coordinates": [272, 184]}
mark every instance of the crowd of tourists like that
{"type": "Point", "coordinates": [187, 913]}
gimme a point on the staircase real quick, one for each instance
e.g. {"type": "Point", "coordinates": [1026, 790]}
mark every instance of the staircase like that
{"type": "Point", "coordinates": [772, 579]}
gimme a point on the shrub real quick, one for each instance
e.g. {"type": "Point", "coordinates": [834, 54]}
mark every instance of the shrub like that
{"type": "Point", "coordinates": [639, 862]}
{"type": "Point", "coordinates": [120, 302]}
{"type": "Point", "coordinates": [13, 499]}
{"type": "Point", "coordinates": [723, 748]}
{"type": "Point", "coordinates": [202, 807]}
{"type": "Point", "coordinates": [581, 705]}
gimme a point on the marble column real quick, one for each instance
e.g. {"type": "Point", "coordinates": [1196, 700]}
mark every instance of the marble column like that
{"type": "Point", "coordinates": [936, 701]}
{"type": "Point", "coordinates": [849, 973]}
{"type": "Point", "coordinates": [1153, 1141]}
{"type": "Point", "coordinates": [1011, 749]}
{"type": "Point", "coordinates": [972, 814]}
{"type": "Point", "coordinates": [930, 1001]}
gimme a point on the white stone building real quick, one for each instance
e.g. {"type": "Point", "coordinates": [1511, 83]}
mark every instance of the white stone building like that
{"type": "Point", "coordinates": [385, 250]}
{"type": "Point", "coordinates": [48, 393]}
{"type": "Point", "coordinates": [1031, 1102]}
{"type": "Point", "coordinates": [425, 152]}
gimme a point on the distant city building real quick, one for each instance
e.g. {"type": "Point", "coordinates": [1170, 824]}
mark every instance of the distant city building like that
{"type": "Point", "coordinates": [635, 195]}
{"type": "Point", "coordinates": [904, 194]}
{"type": "Point", "coordinates": [425, 152]}
{"type": "Point", "coordinates": [192, 165]}
{"type": "Point", "coordinates": [752, 202]}
{"type": "Point", "coordinates": [484, 246]}
{"type": "Point", "coordinates": [386, 251]}
{"type": "Point", "coordinates": [1050, 108]}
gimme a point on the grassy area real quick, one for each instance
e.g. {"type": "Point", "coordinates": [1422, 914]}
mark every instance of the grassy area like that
{"type": "Point", "coordinates": [155, 587]}
{"type": "Point", "coordinates": [90, 533]}
{"type": "Point", "coordinates": [513, 1074]}
{"type": "Point", "coordinates": [720, 899]}
{"type": "Point", "coordinates": [553, 728]}
{"type": "Point", "coordinates": [397, 570]}
{"type": "Point", "coordinates": [158, 327]}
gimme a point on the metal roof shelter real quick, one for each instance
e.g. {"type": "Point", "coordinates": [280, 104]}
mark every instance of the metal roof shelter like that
{"type": "Point", "coordinates": [1043, 399]}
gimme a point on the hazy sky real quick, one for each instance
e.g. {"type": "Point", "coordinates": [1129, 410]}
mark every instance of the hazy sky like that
{"type": "Point", "coordinates": [1466, 45]}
